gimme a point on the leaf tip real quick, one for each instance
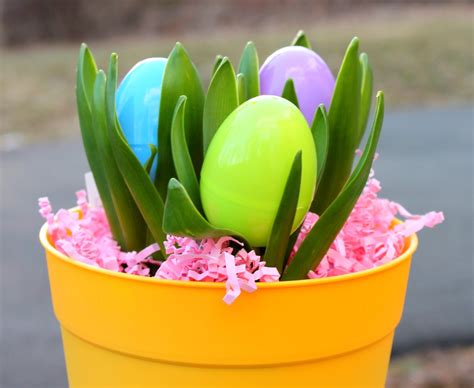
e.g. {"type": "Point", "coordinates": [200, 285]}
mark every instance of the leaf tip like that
{"type": "Point", "coordinates": [179, 50]}
{"type": "Point", "coordinates": [353, 46]}
{"type": "Point", "coordinates": [101, 74]}
{"type": "Point", "coordinates": [250, 44]}
{"type": "Point", "coordinates": [173, 183]}
{"type": "Point", "coordinates": [322, 108]}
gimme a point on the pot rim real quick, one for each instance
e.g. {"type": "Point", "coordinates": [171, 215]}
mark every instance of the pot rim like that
{"type": "Point", "coordinates": [411, 244]}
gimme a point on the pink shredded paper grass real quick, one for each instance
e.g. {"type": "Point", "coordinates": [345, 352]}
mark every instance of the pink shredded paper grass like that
{"type": "Point", "coordinates": [367, 240]}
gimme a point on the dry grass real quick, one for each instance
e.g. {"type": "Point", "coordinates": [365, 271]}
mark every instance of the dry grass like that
{"type": "Point", "coordinates": [420, 56]}
{"type": "Point", "coordinates": [452, 368]}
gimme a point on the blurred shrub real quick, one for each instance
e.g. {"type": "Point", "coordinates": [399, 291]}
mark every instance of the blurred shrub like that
{"type": "Point", "coordinates": [28, 21]}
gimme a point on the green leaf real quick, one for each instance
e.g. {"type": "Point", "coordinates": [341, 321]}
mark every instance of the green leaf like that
{"type": "Point", "coordinates": [320, 132]}
{"type": "Point", "coordinates": [180, 79]}
{"type": "Point", "coordinates": [241, 87]}
{"type": "Point", "coordinates": [145, 196]}
{"type": "Point", "coordinates": [86, 73]}
{"type": "Point", "coordinates": [366, 90]}
{"type": "Point", "coordinates": [291, 244]}
{"type": "Point", "coordinates": [90, 130]}
{"type": "Point", "coordinates": [118, 191]}
{"type": "Point", "coordinates": [182, 159]}
{"type": "Point", "coordinates": [149, 163]}
{"type": "Point", "coordinates": [343, 120]}
{"type": "Point", "coordinates": [320, 238]}
{"type": "Point", "coordinates": [249, 67]}
{"type": "Point", "coordinates": [181, 218]}
{"type": "Point", "coordinates": [289, 92]}
{"type": "Point", "coordinates": [217, 63]}
{"type": "Point", "coordinates": [281, 229]}
{"type": "Point", "coordinates": [221, 100]}
{"type": "Point", "coordinates": [301, 40]}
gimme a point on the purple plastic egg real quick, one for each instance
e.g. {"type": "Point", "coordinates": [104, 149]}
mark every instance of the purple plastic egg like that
{"type": "Point", "coordinates": [313, 80]}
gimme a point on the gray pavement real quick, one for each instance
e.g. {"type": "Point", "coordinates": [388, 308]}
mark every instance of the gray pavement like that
{"type": "Point", "coordinates": [425, 163]}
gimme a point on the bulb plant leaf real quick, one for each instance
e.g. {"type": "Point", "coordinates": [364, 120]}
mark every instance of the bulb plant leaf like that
{"type": "Point", "coordinates": [180, 78]}
{"type": "Point", "coordinates": [149, 163]}
{"type": "Point", "coordinates": [86, 73]}
{"type": "Point", "coordinates": [291, 243]}
{"type": "Point", "coordinates": [182, 218]}
{"type": "Point", "coordinates": [145, 197]}
{"type": "Point", "coordinates": [301, 40]}
{"type": "Point", "coordinates": [217, 63]}
{"type": "Point", "coordinates": [276, 249]}
{"type": "Point", "coordinates": [241, 87]}
{"type": "Point", "coordinates": [222, 98]}
{"type": "Point", "coordinates": [289, 92]}
{"type": "Point", "coordinates": [343, 121]}
{"type": "Point", "coordinates": [182, 159]}
{"type": "Point", "coordinates": [323, 233]}
{"type": "Point", "coordinates": [119, 193]}
{"type": "Point", "coordinates": [366, 90]}
{"type": "Point", "coordinates": [92, 131]}
{"type": "Point", "coordinates": [249, 67]}
{"type": "Point", "coordinates": [320, 132]}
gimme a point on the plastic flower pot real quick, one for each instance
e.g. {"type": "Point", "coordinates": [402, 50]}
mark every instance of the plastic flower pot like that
{"type": "Point", "coordinates": [123, 330]}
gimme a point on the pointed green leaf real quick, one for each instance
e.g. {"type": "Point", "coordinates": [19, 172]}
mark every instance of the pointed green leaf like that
{"type": "Point", "coordinates": [91, 128]}
{"type": "Point", "coordinates": [291, 244]}
{"type": "Point", "coordinates": [241, 87]}
{"type": "Point", "coordinates": [149, 163]}
{"type": "Point", "coordinates": [249, 67]}
{"type": "Point", "coordinates": [86, 72]}
{"type": "Point", "coordinates": [145, 196]}
{"type": "Point", "coordinates": [118, 193]}
{"type": "Point", "coordinates": [343, 120]}
{"type": "Point", "coordinates": [217, 63]}
{"type": "Point", "coordinates": [182, 159]}
{"type": "Point", "coordinates": [281, 229]}
{"type": "Point", "coordinates": [221, 100]}
{"type": "Point", "coordinates": [320, 132]}
{"type": "Point", "coordinates": [180, 79]}
{"type": "Point", "coordinates": [181, 218]}
{"type": "Point", "coordinates": [301, 40]}
{"type": "Point", "coordinates": [289, 92]}
{"type": "Point", "coordinates": [320, 238]}
{"type": "Point", "coordinates": [366, 90]}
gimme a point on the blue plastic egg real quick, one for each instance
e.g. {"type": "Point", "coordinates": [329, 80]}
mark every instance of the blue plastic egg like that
{"type": "Point", "coordinates": [138, 104]}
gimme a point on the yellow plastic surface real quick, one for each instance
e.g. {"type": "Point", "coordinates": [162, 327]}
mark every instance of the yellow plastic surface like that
{"type": "Point", "coordinates": [128, 331]}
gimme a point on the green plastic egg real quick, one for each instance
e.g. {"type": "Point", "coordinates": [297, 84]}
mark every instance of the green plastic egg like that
{"type": "Point", "coordinates": [248, 162]}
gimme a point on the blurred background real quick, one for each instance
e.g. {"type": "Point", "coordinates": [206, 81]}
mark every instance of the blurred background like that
{"type": "Point", "coordinates": [422, 56]}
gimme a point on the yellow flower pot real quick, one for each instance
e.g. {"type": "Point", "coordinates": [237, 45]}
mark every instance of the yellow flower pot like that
{"type": "Point", "coordinates": [123, 330]}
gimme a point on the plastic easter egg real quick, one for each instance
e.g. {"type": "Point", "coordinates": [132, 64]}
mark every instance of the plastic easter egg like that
{"type": "Point", "coordinates": [313, 80]}
{"type": "Point", "coordinates": [138, 103]}
{"type": "Point", "coordinates": [248, 162]}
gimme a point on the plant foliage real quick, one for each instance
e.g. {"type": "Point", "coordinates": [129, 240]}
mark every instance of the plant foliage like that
{"type": "Point", "coordinates": [141, 211]}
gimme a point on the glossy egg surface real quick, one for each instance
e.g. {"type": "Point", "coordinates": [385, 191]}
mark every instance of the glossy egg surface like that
{"type": "Point", "coordinates": [138, 104]}
{"type": "Point", "coordinates": [313, 80]}
{"type": "Point", "coordinates": [248, 162]}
